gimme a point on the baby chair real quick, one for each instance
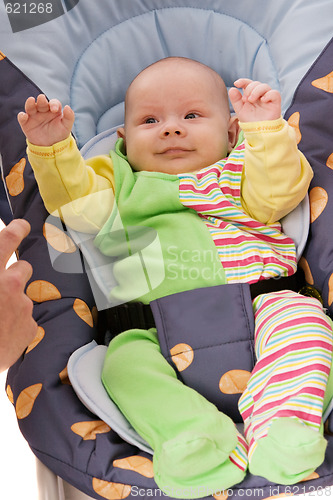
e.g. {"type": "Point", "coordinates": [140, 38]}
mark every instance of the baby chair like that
{"type": "Point", "coordinates": [86, 53]}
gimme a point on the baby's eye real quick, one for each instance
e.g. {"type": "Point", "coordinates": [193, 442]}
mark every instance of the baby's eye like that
{"type": "Point", "coordinates": [150, 120]}
{"type": "Point", "coordinates": [191, 116]}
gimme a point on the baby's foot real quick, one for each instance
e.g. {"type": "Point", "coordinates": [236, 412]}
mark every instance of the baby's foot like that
{"type": "Point", "coordinates": [289, 452]}
{"type": "Point", "coordinates": [200, 465]}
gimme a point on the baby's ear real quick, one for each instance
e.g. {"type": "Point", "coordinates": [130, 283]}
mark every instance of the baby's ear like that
{"type": "Point", "coordinates": [121, 134]}
{"type": "Point", "coordinates": [233, 133]}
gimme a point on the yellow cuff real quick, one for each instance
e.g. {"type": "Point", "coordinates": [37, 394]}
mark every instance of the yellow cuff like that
{"type": "Point", "coordinates": [263, 126]}
{"type": "Point", "coordinates": [49, 151]}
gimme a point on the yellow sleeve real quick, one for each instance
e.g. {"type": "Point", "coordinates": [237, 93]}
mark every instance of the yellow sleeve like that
{"type": "Point", "coordinates": [79, 191]}
{"type": "Point", "coordinates": [277, 175]}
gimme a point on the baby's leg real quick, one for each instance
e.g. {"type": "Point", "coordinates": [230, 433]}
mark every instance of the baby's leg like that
{"type": "Point", "coordinates": [197, 449]}
{"type": "Point", "coordinates": [283, 404]}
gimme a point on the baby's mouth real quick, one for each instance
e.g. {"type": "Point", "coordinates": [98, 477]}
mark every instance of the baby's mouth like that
{"type": "Point", "coordinates": [174, 150]}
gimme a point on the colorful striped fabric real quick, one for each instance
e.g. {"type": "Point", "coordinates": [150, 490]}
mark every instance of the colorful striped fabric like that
{"type": "Point", "coordinates": [239, 456]}
{"type": "Point", "coordinates": [293, 337]}
{"type": "Point", "coordinates": [293, 341]}
{"type": "Point", "coordinates": [249, 250]}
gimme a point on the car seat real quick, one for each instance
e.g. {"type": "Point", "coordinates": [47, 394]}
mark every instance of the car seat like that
{"type": "Point", "coordinates": [86, 53]}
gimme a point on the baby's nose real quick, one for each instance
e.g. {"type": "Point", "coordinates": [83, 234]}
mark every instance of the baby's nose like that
{"type": "Point", "coordinates": [173, 127]}
{"type": "Point", "coordinates": [171, 132]}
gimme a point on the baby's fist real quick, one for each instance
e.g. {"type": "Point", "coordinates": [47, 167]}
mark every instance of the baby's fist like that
{"type": "Point", "coordinates": [44, 122]}
{"type": "Point", "coordinates": [258, 102]}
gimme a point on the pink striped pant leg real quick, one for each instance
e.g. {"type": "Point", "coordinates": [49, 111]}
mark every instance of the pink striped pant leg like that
{"type": "Point", "coordinates": [284, 396]}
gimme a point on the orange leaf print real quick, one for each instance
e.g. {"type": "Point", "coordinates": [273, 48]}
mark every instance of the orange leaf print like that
{"type": "Point", "coordinates": [83, 311]}
{"type": "Point", "coordinates": [182, 355]}
{"type": "Point", "coordinates": [9, 393]}
{"type": "Point", "coordinates": [39, 337]}
{"type": "Point", "coordinates": [111, 491]}
{"type": "Point", "coordinates": [221, 495]}
{"type": "Point", "coordinates": [42, 291]}
{"type": "Point", "coordinates": [313, 475]}
{"type": "Point", "coordinates": [303, 263]}
{"type": "Point", "coordinates": [63, 375]}
{"type": "Point", "coordinates": [57, 239]}
{"type": "Point", "coordinates": [329, 161]}
{"type": "Point", "coordinates": [294, 123]}
{"type": "Point", "coordinates": [88, 430]}
{"type": "Point", "coordinates": [15, 180]}
{"type": "Point", "coordinates": [136, 463]}
{"type": "Point", "coordinates": [26, 400]}
{"type": "Point", "coordinates": [318, 200]}
{"type": "Point", "coordinates": [234, 381]}
{"type": "Point", "coordinates": [330, 290]}
{"type": "Point", "coordinates": [324, 83]}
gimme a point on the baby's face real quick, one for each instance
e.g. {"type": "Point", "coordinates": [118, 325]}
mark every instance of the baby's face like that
{"type": "Point", "coordinates": [176, 121]}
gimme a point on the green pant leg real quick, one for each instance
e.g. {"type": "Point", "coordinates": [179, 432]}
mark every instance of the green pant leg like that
{"type": "Point", "coordinates": [191, 439]}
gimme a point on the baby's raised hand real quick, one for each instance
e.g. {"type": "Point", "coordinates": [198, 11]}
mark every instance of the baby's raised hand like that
{"type": "Point", "coordinates": [45, 122]}
{"type": "Point", "coordinates": [258, 102]}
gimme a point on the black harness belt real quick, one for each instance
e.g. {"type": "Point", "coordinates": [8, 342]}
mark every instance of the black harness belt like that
{"type": "Point", "coordinates": [138, 315]}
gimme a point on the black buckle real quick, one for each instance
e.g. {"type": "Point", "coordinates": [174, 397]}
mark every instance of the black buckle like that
{"type": "Point", "coordinates": [295, 282]}
{"type": "Point", "coordinates": [127, 316]}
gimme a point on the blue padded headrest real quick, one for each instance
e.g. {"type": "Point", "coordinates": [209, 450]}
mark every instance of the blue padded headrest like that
{"type": "Point", "coordinates": [93, 66]}
{"type": "Point", "coordinates": [107, 55]}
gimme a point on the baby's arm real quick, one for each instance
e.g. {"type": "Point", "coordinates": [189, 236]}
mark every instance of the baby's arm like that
{"type": "Point", "coordinates": [82, 192]}
{"type": "Point", "coordinates": [276, 175]}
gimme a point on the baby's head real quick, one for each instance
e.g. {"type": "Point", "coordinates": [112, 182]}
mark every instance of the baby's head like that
{"type": "Point", "coordinates": [177, 118]}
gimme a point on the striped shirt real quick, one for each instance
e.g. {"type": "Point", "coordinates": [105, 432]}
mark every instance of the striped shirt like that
{"type": "Point", "coordinates": [249, 250]}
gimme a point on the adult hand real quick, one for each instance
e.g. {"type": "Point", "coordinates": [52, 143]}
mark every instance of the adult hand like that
{"type": "Point", "coordinates": [17, 326]}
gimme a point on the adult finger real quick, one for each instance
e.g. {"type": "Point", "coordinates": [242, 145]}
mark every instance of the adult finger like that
{"type": "Point", "coordinates": [11, 237]}
{"type": "Point", "coordinates": [20, 271]}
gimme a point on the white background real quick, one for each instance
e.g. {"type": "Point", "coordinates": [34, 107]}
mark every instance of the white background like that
{"type": "Point", "coordinates": [17, 462]}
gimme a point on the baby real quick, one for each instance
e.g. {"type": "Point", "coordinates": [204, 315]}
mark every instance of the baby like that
{"type": "Point", "coordinates": [180, 169]}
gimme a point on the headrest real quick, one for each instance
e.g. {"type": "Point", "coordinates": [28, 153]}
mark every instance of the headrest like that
{"type": "Point", "coordinates": [88, 57]}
